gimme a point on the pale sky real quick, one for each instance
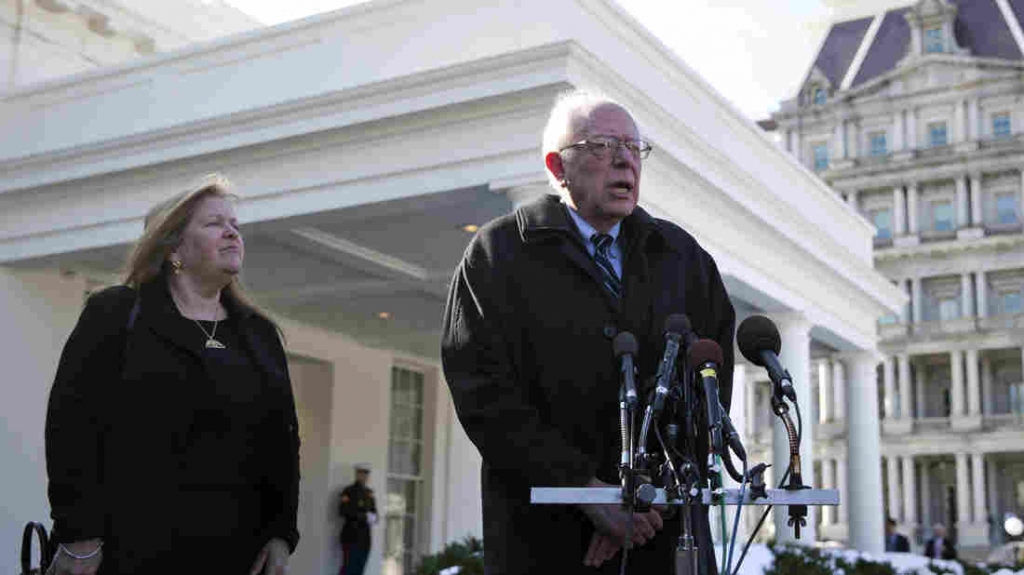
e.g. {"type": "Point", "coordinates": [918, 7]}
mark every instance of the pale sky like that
{"type": "Point", "coordinates": [754, 52]}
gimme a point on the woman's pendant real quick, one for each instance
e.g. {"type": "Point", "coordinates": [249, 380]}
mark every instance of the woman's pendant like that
{"type": "Point", "coordinates": [214, 344]}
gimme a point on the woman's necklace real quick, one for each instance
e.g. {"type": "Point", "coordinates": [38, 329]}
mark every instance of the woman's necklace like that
{"type": "Point", "coordinates": [211, 343]}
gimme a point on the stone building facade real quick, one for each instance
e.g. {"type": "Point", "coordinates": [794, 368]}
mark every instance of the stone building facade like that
{"type": "Point", "coordinates": [915, 117]}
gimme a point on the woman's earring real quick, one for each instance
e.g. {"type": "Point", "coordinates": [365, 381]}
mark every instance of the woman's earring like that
{"type": "Point", "coordinates": [565, 182]}
{"type": "Point", "coordinates": [178, 266]}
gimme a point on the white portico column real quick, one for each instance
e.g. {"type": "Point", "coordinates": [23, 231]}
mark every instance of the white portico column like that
{"type": "Point", "coordinates": [899, 218]}
{"type": "Point", "coordinates": [963, 493]}
{"type": "Point", "coordinates": [976, 195]}
{"type": "Point", "coordinates": [966, 295]}
{"type": "Point", "coordinates": [978, 488]}
{"type": "Point", "coordinates": [961, 202]}
{"type": "Point", "coordinates": [981, 290]}
{"type": "Point", "coordinates": [795, 356]}
{"type": "Point", "coordinates": [920, 382]}
{"type": "Point", "coordinates": [912, 208]}
{"type": "Point", "coordinates": [828, 470]}
{"type": "Point", "coordinates": [905, 311]}
{"type": "Point", "coordinates": [892, 485]}
{"type": "Point", "coordinates": [926, 494]}
{"type": "Point", "coordinates": [889, 386]}
{"type": "Point", "coordinates": [973, 384]}
{"type": "Point", "coordinates": [956, 390]}
{"type": "Point", "coordinates": [986, 384]}
{"type": "Point", "coordinates": [864, 481]}
{"type": "Point", "coordinates": [838, 390]}
{"type": "Point", "coordinates": [843, 510]}
{"type": "Point", "coordinates": [824, 392]}
{"type": "Point", "coordinates": [909, 492]}
{"type": "Point", "coordinates": [915, 299]}
{"type": "Point", "coordinates": [740, 412]}
{"type": "Point", "coordinates": [905, 410]}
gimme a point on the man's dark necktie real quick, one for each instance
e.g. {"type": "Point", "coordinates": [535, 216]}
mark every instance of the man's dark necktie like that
{"type": "Point", "coordinates": [602, 243]}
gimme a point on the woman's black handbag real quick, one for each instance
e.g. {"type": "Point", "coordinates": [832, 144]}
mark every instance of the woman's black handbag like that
{"type": "Point", "coordinates": [36, 529]}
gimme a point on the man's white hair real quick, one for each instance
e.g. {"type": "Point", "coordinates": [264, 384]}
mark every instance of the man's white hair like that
{"type": "Point", "coordinates": [567, 121]}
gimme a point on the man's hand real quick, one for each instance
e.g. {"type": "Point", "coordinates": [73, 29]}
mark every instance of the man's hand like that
{"type": "Point", "coordinates": [64, 564]}
{"type": "Point", "coordinates": [612, 525]}
{"type": "Point", "coordinates": [272, 560]}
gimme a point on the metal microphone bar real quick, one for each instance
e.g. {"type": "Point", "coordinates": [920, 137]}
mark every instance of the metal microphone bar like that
{"type": "Point", "coordinates": [613, 496]}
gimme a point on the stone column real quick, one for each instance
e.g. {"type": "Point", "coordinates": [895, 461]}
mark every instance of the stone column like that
{"type": "Point", "coordinates": [824, 392]}
{"type": "Point", "coordinates": [962, 216]}
{"type": "Point", "coordinates": [898, 141]}
{"type": "Point", "coordinates": [838, 390]}
{"type": "Point", "coordinates": [973, 384]}
{"type": "Point", "coordinates": [905, 409]}
{"type": "Point", "coordinates": [911, 141]}
{"type": "Point", "coordinates": [986, 384]}
{"type": "Point", "coordinates": [978, 489]}
{"type": "Point", "coordinates": [912, 209]}
{"type": "Point", "coordinates": [915, 299]}
{"type": "Point", "coordinates": [960, 121]}
{"type": "Point", "coordinates": [926, 494]}
{"type": "Point", "coordinates": [905, 310]}
{"type": "Point", "coordinates": [795, 330]}
{"type": "Point", "coordinates": [977, 218]}
{"type": "Point", "coordinates": [864, 479]}
{"type": "Point", "coordinates": [828, 470]}
{"type": "Point", "coordinates": [956, 389]}
{"type": "Point", "coordinates": [909, 492]}
{"type": "Point", "coordinates": [1020, 201]}
{"type": "Point", "coordinates": [889, 386]}
{"type": "Point", "coordinates": [992, 489]}
{"type": "Point", "coordinates": [966, 295]}
{"type": "Point", "coordinates": [839, 140]}
{"type": "Point", "coordinates": [973, 125]}
{"type": "Point", "coordinates": [981, 290]}
{"type": "Point", "coordinates": [963, 493]}
{"type": "Point", "coordinates": [843, 511]}
{"type": "Point", "coordinates": [749, 403]}
{"type": "Point", "coordinates": [899, 218]}
{"type": "Point", "coordinates": [892, 480]}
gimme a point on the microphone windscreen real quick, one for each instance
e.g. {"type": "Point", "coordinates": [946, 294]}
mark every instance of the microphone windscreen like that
{"type": "Point", "coordinates": [703, 351]}
{"type": "Point", "coordinates": [756, 334]}
{"type": "Point", "coordinates": [625, 343]}
{"type": "Point", "coordinates": [677, 323]}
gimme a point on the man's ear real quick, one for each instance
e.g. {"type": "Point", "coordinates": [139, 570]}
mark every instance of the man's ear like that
{"type": "Point", "coordinates": [553, 161]}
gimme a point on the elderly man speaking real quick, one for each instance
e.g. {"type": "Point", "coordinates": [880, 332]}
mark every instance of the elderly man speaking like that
{"type": "Point", "coordinates": [527, 346]}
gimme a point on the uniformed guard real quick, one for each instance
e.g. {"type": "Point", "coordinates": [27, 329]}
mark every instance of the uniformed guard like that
{"type": "Point", "coordinates": [359, 510]}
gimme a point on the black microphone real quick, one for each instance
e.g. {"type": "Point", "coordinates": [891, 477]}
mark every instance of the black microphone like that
{"type": "Point", "coordinates": [760, 343]}
{"type": "Point", "coordinates": [705, 356]}
{"type": "Point", "coordinates": [676, 325]}
{"type": "Point", "coordinates": [625, 348]}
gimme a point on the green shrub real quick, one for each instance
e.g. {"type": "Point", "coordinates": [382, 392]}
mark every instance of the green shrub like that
{"type": "Point", "coordinates": [803, 560]}
{"type": "Point", "coordinates": [865, 567]}
{"type": "Point", "coordinates": [467, 554]}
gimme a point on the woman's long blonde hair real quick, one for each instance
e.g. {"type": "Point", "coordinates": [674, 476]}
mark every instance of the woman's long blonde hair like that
{"type": "Point", "coordinates": [164, 226]}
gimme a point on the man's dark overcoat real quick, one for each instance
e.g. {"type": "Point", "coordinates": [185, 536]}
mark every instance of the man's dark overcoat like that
{"type": "Point", "coordinates": [527, 353]}
{"type": "Point", "coordinates": [127, 414]}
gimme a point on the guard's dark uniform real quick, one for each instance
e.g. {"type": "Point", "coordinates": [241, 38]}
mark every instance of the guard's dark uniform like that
{"type": "Point", "coordinates": [355, 503]}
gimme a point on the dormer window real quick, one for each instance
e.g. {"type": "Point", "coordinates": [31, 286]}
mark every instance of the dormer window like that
{"type": "Point", "coordinates": [820, 96]}
{"type": "Point", "coordinates": [933, 41]}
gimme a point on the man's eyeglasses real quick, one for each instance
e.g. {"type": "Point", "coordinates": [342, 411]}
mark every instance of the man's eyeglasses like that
{"type": "Point", "coordinates": [604, 146]}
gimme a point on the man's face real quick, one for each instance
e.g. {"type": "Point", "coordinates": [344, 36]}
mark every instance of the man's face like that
{"type": "Point", "coordinates": [603, 190]}
{"type": "Point", "coordinates": [362, 476]}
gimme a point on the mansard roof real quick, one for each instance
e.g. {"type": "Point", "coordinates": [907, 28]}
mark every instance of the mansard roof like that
{"type": "Point", "coordinates": [979, 28]}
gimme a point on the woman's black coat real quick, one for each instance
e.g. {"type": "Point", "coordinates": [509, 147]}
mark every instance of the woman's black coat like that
{"type": "Point", "coordinates": [118, 430]}
{"type": "Point", "coordinates": [527, 352]}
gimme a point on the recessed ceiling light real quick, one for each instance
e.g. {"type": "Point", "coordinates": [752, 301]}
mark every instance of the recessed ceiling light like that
{"type": "Point", "coordinates": [384, 315]}
{"type": "Point", "coordinates": [470, 228]}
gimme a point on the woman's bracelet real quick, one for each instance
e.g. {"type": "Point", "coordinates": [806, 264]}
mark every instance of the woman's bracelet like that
{"type": "Point", "coordinates": [88, 555]}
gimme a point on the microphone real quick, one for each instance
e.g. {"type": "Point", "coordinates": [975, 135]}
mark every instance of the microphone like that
{"type": "Point", "coordinates": [705, 356]}
{"type": "Point", "coordinates": [625, 348]}
{"type": "Point", "coordinates": [676, 325]}
{"type": "Point", "coordinates": [760, 343]}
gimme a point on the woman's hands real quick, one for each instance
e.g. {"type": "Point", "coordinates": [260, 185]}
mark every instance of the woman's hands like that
{"type": "Point", "coordinates": [65, 563]}
{"type": "Point", "coordinates": [273, 559]}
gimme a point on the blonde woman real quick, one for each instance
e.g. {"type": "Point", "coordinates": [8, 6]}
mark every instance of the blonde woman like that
{"type": "Point", "coordinates": [171, 436]}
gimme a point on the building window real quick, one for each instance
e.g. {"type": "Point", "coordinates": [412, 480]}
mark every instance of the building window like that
{"type": "Point", "coordinates": [820, 96]}
{"type": "Point", "coordinates": [933, 41]}
{"type": "Point", "coordinates": [1006, 208]}
{"type": "Point", "coordinates": [1011, 302]}
{"type": "Point", "coordinates": [883, 223]}
{"type": "Point", "coordinates": [942, 216]}
{"type": "Point", "coordinates": [820, 157]}
{"type": "Point", "coordinates": [878, 145]}
{"type": "Point", "coordinates": [405, 472]}
{"type": "Point", "coordinates": [937, 134]}
{"type": "Point", "coordinates": [1001, 125]}
{"type": "Point", "coordinates": [949, 309]}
